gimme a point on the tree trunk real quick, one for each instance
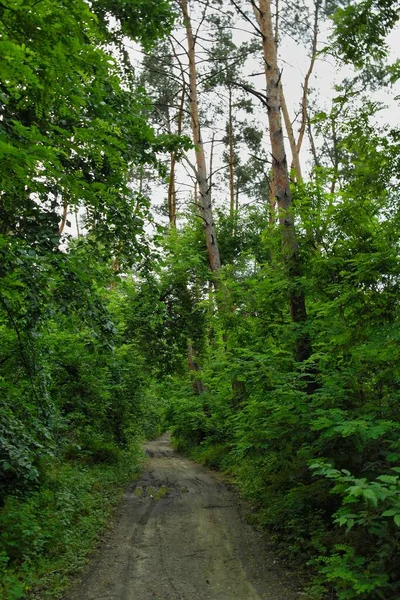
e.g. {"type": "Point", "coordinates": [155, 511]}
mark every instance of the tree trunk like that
{"type": "Point", "coordinates": [196, 199]}
{"type": "Point", "coordinates": [172, 184]}
{"type": "Point", "coordinates": [63, 217]}
{"type": "Point", "coordinates": [272, 200]}
{"type": "Point", "coordinates": [292, 141]}
{"type": "Point", "coordinates": [312, 143]}
{"type": "Point", "coordinates": [210, 179]}
{"type": "Point", "coordinates": [285, 112]}
{"type": "Point", "coordinates": [201, 168]}
{"type": "Point", "coordinates": [172, 193]}
{"type": "Point", "coordinates": [283, 194]}
{"type": "Point", "coordinates": [304, 101]}
{"type": "Point", "coordinates": [231, 158]}
{"type": "Point", "coordinates": [197, 384]}
{"type": "Point", "coordinates": [236, 220]}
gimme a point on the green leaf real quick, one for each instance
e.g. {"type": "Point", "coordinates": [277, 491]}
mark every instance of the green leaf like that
{"type": "Point", "coordinates": [370, 495]}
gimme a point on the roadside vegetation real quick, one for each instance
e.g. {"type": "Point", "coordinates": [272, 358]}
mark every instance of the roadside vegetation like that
{"type": "Point", "coordinates": [254, 310]}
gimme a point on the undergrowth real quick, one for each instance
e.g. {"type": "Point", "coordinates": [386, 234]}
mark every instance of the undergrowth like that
{"type": "Point", "coordinates": [48, 534]}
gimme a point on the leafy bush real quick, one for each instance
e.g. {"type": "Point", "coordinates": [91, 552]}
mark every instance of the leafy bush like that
{"type": "Point", "coordinates": [46, 535]}
{"type": "Point", "coordinates": [370, 511]}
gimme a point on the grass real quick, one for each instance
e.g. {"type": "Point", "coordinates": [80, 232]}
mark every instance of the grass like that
{"type": "Point", "coordinates": [47, 535]}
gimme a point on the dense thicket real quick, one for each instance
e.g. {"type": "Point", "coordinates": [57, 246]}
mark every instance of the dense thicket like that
{"type": "Point", "coordinates": [106, 336]}
{"type": "Point", "coordinates": [75, 395]}
{"type": "Point", "coordinates": [312, 439]}
{"type": "Point", "coordinates": [315, 445]}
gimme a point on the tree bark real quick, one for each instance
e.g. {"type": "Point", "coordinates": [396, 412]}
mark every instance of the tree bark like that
{"type": "Point", "coordinates": [197, 384]}
{"type": "Point", "coordinates": [272, 200]}
{"type": "Point", "coordinates": [292, 140]}
{"type": "Point", "coordinates": [201, 168]}
{"type": "Point", "coordinates": [172, 184]}
{"type": "Point", "coordinates": [172, 193]}
{"type": "Point", "coordinates": [285, 112]}
{"type": "Point", "coordinates": [210, 179]}
{"type": "Point", "coordinates": [262, 11]}
{"type": "Point", "coordinates": [304, 102]}
{"type": "Point", "coordinates": [312, 143]}
{"type": "Point", "coordinates": [63, 217]}
{"type": "Point", "coordinates": [196, 198]}
{"type": "Point", "coordinates": [231, 157]}
{"type": "Point", "coordinates": [236, 220]}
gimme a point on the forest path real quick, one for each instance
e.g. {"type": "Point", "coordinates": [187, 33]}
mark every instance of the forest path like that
{"type": "Point", "coordinates": [179, 535]}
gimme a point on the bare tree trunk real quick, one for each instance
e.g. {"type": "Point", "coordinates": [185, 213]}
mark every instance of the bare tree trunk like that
{"type": "Point", "coordinates": [295, 147]}
{"type": "Point", "coordinates": [64, 217]}
{"type": "Point", "coordinates": [196, 198]}
{"type": "Point", "coordinates": [272, 200]}
{"type": "Point", "coordinates": [312, 143]}
{"type": "Point", "coordinates": [236, 220]}
{"type": "Point", "coordinates": [285, 112]}
{"type": "Point", "coordinates": [262, 11]}
{"type": "Point", "coordinates": [172, 193]}
{"type": "Point", "coordinates": [210, 179]}
{"type": "Point", "coordinates": [172, 184]}
{"type": "Point", "coordinates": [231, 157]}
{"type": "Point", "coordinates": [292, 141]}
{"type": "Point", "coordinates": [201, 171]}
{"type": "Point", "coordinates": [304, 102]}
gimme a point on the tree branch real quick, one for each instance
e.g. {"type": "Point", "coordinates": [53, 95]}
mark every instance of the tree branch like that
{"type": "Point", "coordinates": [243, 14]}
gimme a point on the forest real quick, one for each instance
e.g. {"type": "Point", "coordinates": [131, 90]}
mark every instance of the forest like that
{"type": "Point", "coordinates": [199, 235]}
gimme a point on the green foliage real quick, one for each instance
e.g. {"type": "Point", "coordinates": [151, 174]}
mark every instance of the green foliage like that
{"type": "Point", "coordinates": [361, 29]}
{"type": "Point", "coordinates": [76, 398]}
{"type": "Point", "coordinates": [64, 458]}
{"type": "Point", "coordinates": [314, 446]}
{"type": "Point", "coordinates": [167, 309]}
{"type": "Point", "coordinates": [370, 500]}
{"type": "Point", "coordinates": [73, 111]}
{"type": "Point", "coordinates": [351, 576]}
{"type": "Point", "coordinates": [90, 365]}
{"type": "Point", "coordinates": [142, 20]}
{"type": "Point", "coordinates": [47, 535]}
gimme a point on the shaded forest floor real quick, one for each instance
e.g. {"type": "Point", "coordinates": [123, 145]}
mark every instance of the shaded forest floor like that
{"type": "Point", "coordinates": [180, 535]}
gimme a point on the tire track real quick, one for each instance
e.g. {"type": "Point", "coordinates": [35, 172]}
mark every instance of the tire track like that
{"type": "Point", "coordinates": [179, 535]}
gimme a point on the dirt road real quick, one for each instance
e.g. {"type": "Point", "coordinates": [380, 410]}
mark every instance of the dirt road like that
{"type": "Point", "coordinates": [179, 535]}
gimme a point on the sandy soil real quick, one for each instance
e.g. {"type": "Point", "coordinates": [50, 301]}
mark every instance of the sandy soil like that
{"type": "Point", "coordinates": [179, 535]}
